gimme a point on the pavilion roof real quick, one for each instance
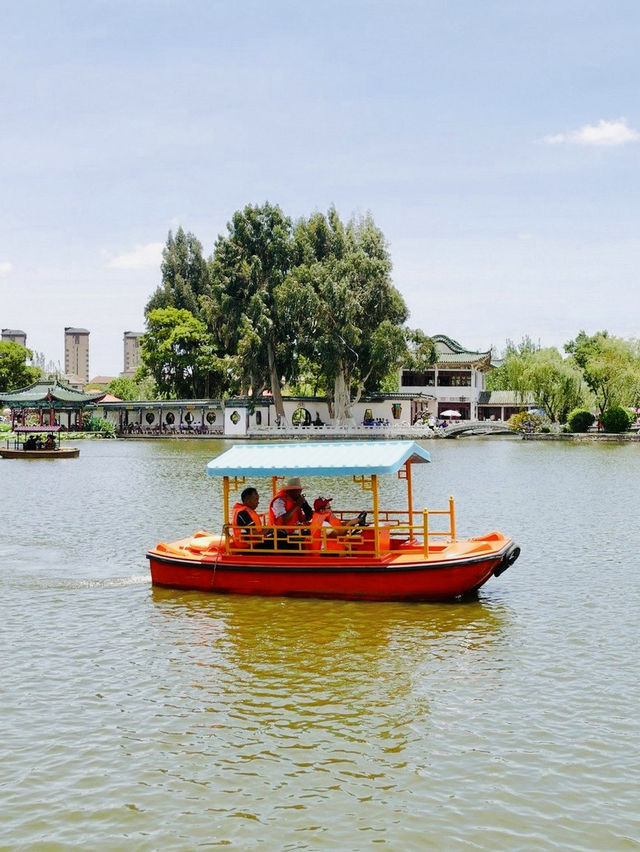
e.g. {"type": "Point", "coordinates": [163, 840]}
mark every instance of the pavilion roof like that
{"type": "Point", "coordinates": [49, 391]}
{"type": "Point", "coordinates": [451, 353]}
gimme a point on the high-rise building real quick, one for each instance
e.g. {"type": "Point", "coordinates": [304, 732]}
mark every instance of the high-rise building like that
{"type": "Point", "coordinates": [14, 335]}
{"type": "Point", "coordinates": [76, 355]}
{"type": "Point", "coordinates": [131, 352]}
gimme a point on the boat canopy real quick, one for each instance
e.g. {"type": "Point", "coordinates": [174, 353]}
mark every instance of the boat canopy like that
{"type": "Point", "coordinates": [317, 458]}
{"type": "Point", "coordinates": [35, 430]}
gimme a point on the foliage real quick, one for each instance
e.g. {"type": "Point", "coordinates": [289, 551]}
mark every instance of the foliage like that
{"type": "Point", "coordinates": [311, 308]}
{"type": "Point", "coordinates": [146, 385]}
{"type": "Point", "coordinates": [579, 420]}
{"type": "Point", "coordinates": [527, 421]}
{"type": "Point", "coordinates": [124, 388]}
{"type": "Point", "coordinates": [349, 315]}
{"type": "Point", "coordinates": [97, 424]}
{"type": "Point", "coordinates": [14, 372]}
{"type": "Point", "coordinates": [610, 366]}
{"type": "Point", "coordinates": [554, 383]}
{"type": "Point", "coordinates": [246, 312]}
{"type": "Point", "coordinates": [180, 355]}
{"type": "Point", "coordinates": [616, 419]}
{"type": "Point", "coordinates": [508, 376]}
{"type": "Point", "coordinates": [185, 276]}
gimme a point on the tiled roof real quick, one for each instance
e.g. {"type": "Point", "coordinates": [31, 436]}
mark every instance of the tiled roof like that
{"type": "Point", "coordinates": [505, 397]}
{"type": "Point", "coordinates": [49, 390]}
{"type": "Point", "coordinates": [451, 352]}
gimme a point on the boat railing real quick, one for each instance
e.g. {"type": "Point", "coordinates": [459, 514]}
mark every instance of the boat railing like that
{"type": "Point", "coordinates": [396, 530]}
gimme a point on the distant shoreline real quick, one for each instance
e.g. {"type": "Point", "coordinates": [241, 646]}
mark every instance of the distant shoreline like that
{"type": "Point", "coordinates": [585, 437]}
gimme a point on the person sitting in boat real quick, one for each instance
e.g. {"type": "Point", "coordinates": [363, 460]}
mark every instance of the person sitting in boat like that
{"type": "Point", "coordinates": [246, 523]}
{"type": "Point", "coordinates": [50, 443]}
{"type": "Point", "coordinates": [31, 443]}
{"type": "Point", "coordinates": [323, 516]}
{"type": "Point", "coordinates": [289, 509]}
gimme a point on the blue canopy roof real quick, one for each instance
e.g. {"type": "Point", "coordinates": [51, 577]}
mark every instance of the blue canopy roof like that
{"type": "Point", "coordinates": [317, 458]}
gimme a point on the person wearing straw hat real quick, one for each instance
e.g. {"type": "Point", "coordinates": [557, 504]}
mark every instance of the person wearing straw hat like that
{"type": "Point", "coordinates": [289, 507]}
{"type": "Point", "coordinates": [289, 511]}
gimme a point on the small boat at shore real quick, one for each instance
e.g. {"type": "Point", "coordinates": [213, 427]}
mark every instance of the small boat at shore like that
{"type": "Point", "coordinates": [37, 442]}
{"type": "Point", "coordinates": [398, 556]}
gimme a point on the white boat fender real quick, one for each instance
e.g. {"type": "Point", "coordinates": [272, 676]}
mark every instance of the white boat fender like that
{"type": "Point", "coordinates": [512, 553]}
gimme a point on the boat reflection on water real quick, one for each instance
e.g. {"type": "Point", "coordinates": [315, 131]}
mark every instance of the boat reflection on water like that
{"type": "Point", "coordinates": [279, 637]}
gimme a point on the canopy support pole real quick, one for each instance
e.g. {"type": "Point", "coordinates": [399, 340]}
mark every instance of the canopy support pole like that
{"type": "Point", "coordinates": [225, 499]}
{"type": "Point", "coordinates": [374, 495]}
{"type": "Point", "coordinates": [409, 498]}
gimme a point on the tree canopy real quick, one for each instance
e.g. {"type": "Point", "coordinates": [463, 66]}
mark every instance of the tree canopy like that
{"type": "Point", "coordinates": [610, 366]}
{"type": "Point", "coordinates": [279, 303]}
{"type": "Point", "coordinates": [554, 382]}
{"type": "Point", "coordinates": [180, 355]}
{"type": "Point", "coordinates": [349, 314]}
{"type": "Point", "coordinates": [14, 371]}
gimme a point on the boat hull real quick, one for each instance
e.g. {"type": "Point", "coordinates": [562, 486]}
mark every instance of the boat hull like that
{"type": "Point", "coordinates": [62, 453]}
{"type": "Point", "coordinates": [391, 577]}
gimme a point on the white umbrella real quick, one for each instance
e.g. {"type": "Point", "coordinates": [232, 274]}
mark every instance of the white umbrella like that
{"type": "Point", "coordinates": [450, 413]}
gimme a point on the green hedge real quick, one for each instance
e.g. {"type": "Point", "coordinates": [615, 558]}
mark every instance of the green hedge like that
{"type": "Point", "coordinates": [579, 420]}
{"type": "Point", "coordinates": [616, 419]}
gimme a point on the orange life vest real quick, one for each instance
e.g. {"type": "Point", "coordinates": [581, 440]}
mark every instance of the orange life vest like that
{"type": "Point", "coordinates": [296, 519]}
{"type": "Point", "coordinates": [237, 537]}
{"type": "Point", "coordinates": [317, 522]}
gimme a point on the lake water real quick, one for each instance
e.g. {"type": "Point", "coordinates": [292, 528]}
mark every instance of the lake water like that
{"type": "Point", "coordinates": [139, 719]}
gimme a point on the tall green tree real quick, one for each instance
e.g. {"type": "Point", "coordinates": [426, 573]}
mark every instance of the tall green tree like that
{"type": "Point", "coordinates": [180, 354]}
{"type": "Point", "coordinates": [349, 316]}
{"type": "Point", "coordinates": [124, 388]}
{"type": "Point", "coordinates": [555, 383]}
{"type": "Point", "coordinates": [249, 265]}
{"type": "Point", "coordinates": [508, 376]}
{"type": "Point", "coordinates": [610, 366]}
{"type": "Point", "coordinates": [14, 371]}
{"type": "Point", "coordinates": [185, 275]}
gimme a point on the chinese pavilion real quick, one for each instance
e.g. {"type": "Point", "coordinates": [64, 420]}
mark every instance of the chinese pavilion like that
{"type": "Point", "coordinates": [51, 401]}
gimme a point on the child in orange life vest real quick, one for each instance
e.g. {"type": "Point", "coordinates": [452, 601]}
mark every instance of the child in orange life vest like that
{"type": "Point", "coordinates": [322, 515]}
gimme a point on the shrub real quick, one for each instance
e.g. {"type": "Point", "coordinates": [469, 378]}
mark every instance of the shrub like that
{"type": "Point", "coordinates": [97, 424]}
{"type": "Point", "coordinates": [616, 419]}
{"type": "Point", "coordinates": [579, 420]}
{"type": "Point", "coordinates": [527, 421]}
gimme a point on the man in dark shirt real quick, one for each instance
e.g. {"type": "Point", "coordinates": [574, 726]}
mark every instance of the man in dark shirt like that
{"type": "Point", "coordinates": [247, 524]}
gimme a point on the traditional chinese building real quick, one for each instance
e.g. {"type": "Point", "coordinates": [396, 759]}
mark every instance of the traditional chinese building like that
{"type": "Point", "coordinates": [457, 383]}
{"type": "Point", "coordinates": [47, 402]}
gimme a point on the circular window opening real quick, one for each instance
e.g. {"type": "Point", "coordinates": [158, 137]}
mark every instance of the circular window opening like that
{"type": "Point", "coordinates": [235, 418]}
{"type": "Point", "coordinates": [301, 417]}
{"type": "Point", "coordinates": [211, 417]}
{"type": "Point", "coordinates": [149, 417]}
{"type": "Point", "coordinates": [189, 417]}
{"type": "Point", "coordinates": [170, 418]}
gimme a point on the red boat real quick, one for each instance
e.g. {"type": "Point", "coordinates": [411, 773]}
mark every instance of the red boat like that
{"type": "Point", "coordinates": [398, 556]}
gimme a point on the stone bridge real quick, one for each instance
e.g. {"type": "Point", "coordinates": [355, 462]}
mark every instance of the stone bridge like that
{"type": "Point", "coordinates": [474, 427]}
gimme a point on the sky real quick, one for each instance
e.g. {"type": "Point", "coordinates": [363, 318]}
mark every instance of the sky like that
{"type": "Point", "coordinates": [496, 144]}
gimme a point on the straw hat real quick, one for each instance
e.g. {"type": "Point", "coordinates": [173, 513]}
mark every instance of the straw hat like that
{"type": "Point", "coordinates": [293, 484]}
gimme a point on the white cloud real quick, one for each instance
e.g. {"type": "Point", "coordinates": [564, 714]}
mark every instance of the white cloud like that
{"type": "Point", "coordinates": [142, 257]}
{"type": "Point", "coordinates": [5, 269]}
{"type": "Point", "coordinates": [604, 133]}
